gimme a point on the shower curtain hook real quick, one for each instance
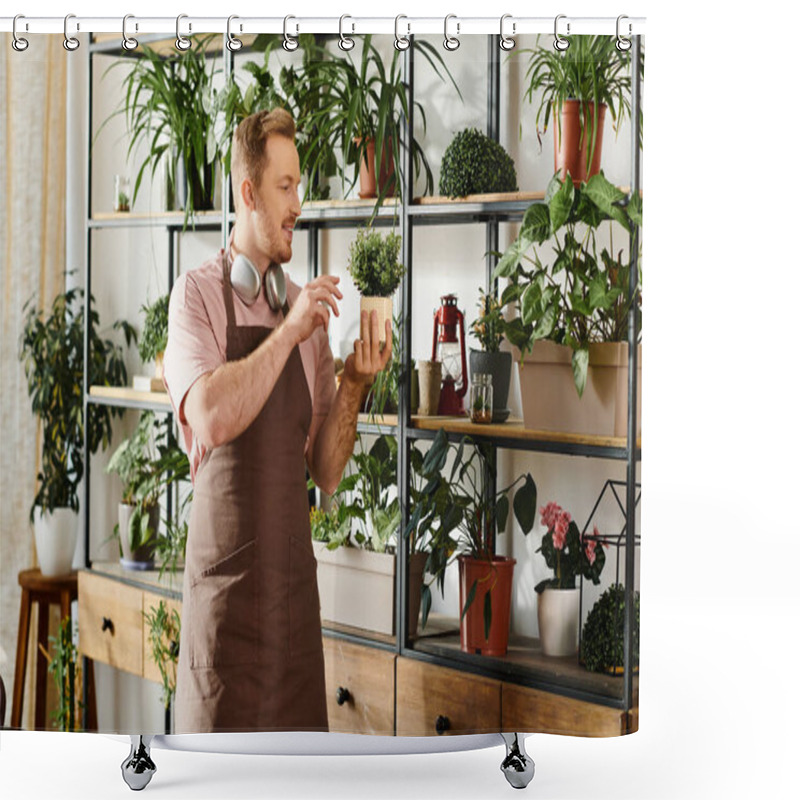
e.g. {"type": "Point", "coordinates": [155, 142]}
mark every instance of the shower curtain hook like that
{"type": "Point", "coordinates": [181, 42]}
{"type": "Point", "coordinates": [128, 42]}
{"type": "Point", "coordinates": [70, 42]}
{"type": "Point", "coordinates": [289, 42]}
{"type": "Point", "coordinates": [507, 42]}
{"type": "Point", "coordinates": [623, 43]}
{"type": "Point", "coordinates": [451, 42]}
{"type": "Point", "coordinates": [401, 42]}
{"type": "Point", "coordinates": [18, 43]}
{"type": "Point", "coordinates": [345, 42]}
{"type": "Point", "coordinates": [233, 44]}
{"type": "Point", "coordinates": [560, 43]}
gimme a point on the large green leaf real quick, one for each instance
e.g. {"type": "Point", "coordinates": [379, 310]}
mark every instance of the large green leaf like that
{"type": "Point", "coordinates": [525, 505]}
{"type": "Point", "coordinates": [536, 223]}
{"type": "Point", "coordinates": [487, 614]}
{"type": "Point", "coordinates": [561, 205]}
{"type": "Point", "coordinates": [508, 262]}
{"type": "Point", "coordinates": [580, 368]}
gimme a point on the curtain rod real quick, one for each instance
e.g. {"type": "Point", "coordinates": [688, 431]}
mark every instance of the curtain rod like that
{"type": "Point", "coordinates": [453, 25]}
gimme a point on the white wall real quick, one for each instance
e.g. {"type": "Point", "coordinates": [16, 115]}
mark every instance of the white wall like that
{"type": "Point", "coordinates": [130, 268]}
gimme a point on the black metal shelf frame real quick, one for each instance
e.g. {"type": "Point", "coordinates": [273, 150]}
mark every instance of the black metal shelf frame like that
{"type": "Point", "coordinates": [491, 214]}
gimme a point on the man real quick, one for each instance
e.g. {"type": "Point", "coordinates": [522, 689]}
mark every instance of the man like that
{"type": "Point", "coordinates": [254, 391]}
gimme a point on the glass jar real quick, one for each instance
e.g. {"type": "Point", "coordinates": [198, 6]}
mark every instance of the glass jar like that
{"type": "Point", "coordinates": [480, 398]}
{"type": "Point", "coordinates": [122, 193]}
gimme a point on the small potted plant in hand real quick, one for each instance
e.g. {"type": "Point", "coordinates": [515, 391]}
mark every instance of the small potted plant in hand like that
{"type": "Point", "coordinates": [376, 272]}
{"type": "Point", "coordinates": [154, 340]}
{"type": "Point", "coordinates": [569, 554]}
{"type": "Point", "coordinates": [489, 329]}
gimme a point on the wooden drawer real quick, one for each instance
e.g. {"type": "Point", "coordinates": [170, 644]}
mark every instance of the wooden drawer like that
{"type": "Point", "coordinates": [426, 692]}
{"type": "Point", "coordinates": [532, 711]}
{"type": "Point", "coordinates": [150, 602]}
{"type": "Point", "coordinates": [367, 674]}
{"type": "Point", "coordinates": [120, 645]}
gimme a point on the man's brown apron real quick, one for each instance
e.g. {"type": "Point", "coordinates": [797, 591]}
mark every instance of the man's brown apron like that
{"type": "Point", "coordinates": [251, 642]}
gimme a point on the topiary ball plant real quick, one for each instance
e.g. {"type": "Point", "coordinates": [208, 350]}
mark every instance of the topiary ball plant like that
{"type": "Point", "coordinates": [475, 164]}
{"type": "Point", "coordinates": [602, 642]}
{"type": "Point", "coordinates": [374, 265]}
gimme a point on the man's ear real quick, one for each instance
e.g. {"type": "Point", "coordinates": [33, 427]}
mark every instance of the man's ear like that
{"type": "Point", "coordinates": [248, 194]}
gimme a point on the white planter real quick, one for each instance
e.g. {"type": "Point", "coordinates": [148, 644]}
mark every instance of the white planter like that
{"type": "Point", "coordinates": [357, 587]}
{"type": "Point", "coordinates": [558, 611]}
{"type": "Point", "coordinates": [56, 535]}
{"type": "Point", "coordinates": [550, 401]}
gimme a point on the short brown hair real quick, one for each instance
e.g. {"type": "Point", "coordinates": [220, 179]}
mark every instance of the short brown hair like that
{"type": "Point", "coordinates": [248, 150]}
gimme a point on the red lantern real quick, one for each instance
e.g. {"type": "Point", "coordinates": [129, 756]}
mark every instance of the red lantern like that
{"type": "Point", "coordinates": [449, 349]}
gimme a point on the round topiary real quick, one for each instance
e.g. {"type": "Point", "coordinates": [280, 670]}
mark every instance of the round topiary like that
{"type": "Point", "coordinates": [475, 164]}
{"type": "Point", "coordinates": [602, 642]}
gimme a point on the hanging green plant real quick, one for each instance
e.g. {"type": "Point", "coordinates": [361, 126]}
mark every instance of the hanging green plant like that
{"type": "Point", "coordinates": [475, 164]}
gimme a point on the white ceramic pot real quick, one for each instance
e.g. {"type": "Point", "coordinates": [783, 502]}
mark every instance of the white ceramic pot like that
{"type": "Point", "coordinates": [558, 611]}
{"type": "Point", "coordinates": [56, 535]}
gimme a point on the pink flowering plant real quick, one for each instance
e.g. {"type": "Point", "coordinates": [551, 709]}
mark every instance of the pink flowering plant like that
{"type": "Point", "coordinates": [567, 552]}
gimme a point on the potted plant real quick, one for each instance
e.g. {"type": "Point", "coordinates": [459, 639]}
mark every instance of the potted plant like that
{"type": "Point", "coordinates": [475, 164]}
{"type": "Point", "coordinates": [171, 106]}
{"type": "Point", "coordinates": [463, 521]}
{"type": "Point", "coordinates": [569, 555]}
{"type": "Point", "coordinates": [164, 638]}
{"type": "Point", "coordinates": [383, 394]}
{"type": "Point", "coordinates": [51, 349]}
{"type": "Point", "coordinates": [355, 545]}
{"type": "Point", "coordinates": [603, 639]}
{"type": "Point", "coordinates": [573, 308]}
{"type": "Point", "coordinates": [296, 89]}
{"type": "Point", "coordinates": [376, 272]}
{"type": "Point", "coordinates": [577, 85]}
{"type": "Point", "coordinates": [153, 341]}
{"type": "Point", "coordinates": [367, 102]}
{"type": "Point", "coordinates": [488, 329]}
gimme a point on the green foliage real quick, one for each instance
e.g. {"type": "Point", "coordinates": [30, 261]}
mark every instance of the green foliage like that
{"type": "Point", "coordinates": [64, 666]}
{"type": "Point", "coordinates": [164, 635]}
{"type": "Point", "coordinates": [583, 296]}
{"type": "Point", "coordinates": [170, 103]}
{"type": "Point", "coordinates": [475, 164]}
{"type": "Point", "coordinates": [155, 328]}
{"type": "Point", "coordinates": [51, 349]}
{"type": "Point", "coordinates": [590, 70]}
{"type": "Point", "coordinates": [603, 637]}
{"type": "Point", "coordinates": [489, 325]}
{"type": "Point", "coordinates": [373, 263]}
{"type": "Point", "coordinates": [454, 514]}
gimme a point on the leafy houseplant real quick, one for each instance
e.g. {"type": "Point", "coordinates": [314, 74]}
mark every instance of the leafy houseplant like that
{"type": "Point", "coordinates": [475, 164]}
{"type": "Point", "coordinates": [569, 555]}
{"type": "Point", "coordinates": [376, 272]}
{"type": "Point", "coordinates": [459, 517]}
{"type": "Point", "coordinates": [153, 341]}
{"type": "Point", "coordinates": [164, 636]}
{"type": "Point", "coordinates": [603, 640]}
{"type": "Point", "coordinates": [576, 86]}
{"type": "Point", "coordinates": [64, 666]}
{"type": "Point", "coordinates": [583, 297]}
{"type": "Point", "coordinates": [51, 348]}
{"type": "Point", "coordinates": [170, 104]}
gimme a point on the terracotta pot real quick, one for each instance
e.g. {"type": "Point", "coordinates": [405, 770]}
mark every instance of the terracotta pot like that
{"type": "Point", "coordinates": [369, 186]}
{"type": "Point", "coordinates": [430, 387]}
{"type": "Point", "coordinates": [55, 534]}
{"type": "Point", "coordinates": [494, 576]}
{"type": "Point", "coordinates": [357, 588]}
{"type": "Point", "coordinates": [142, 557]}
{"type": "Point", "coordinates": [550, 401]}
{"type": "Point", "coordinates": [383, 305]}
{"type": "Point", "coordinates": [558, 611]}
{"type": "Point", "coordinates": [573, 142]}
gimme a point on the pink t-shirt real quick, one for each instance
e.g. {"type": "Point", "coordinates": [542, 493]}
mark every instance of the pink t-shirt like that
{"type": "Point", "coordinates": [196, 343]}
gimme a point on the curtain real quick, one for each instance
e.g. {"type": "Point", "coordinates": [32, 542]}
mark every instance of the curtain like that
{"type": "Point", "coordinates": [32, 236]}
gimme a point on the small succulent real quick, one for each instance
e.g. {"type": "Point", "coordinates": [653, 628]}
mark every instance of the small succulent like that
{"type": "Point", "coordinates": [475, 164]}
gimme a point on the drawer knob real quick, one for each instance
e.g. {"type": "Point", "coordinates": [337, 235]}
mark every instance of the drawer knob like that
{"type": "Point", "coordinates": [342, 695]}
{"type": "Point", "coordinates": [442, 724]}
{"type": "Point", "coordinates": [108, 625]}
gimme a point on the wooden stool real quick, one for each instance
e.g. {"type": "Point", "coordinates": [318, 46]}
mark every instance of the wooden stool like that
{"type": "Point", "coordinates": [36, 588]}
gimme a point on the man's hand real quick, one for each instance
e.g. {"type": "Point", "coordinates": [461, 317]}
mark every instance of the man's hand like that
{"type": "Point", "coordinates": [368, 359]}
{"type": "Point", "coordinates": [312, 307]}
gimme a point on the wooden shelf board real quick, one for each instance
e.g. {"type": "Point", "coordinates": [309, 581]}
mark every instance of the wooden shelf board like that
{"type": "Point", "coordinates": [389, 420]}
{"type": "Point", "coordinates": [130, 395]}
{"type": "Point", "coordinates": [170, 585]}
{"type": "Point", "coordinates": [493, 197]}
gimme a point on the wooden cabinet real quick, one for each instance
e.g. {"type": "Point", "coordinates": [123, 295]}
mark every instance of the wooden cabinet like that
{"type": "Point", "coordinates": [360, 685]}
{"type": "Point", "coordinates": [434, 700]}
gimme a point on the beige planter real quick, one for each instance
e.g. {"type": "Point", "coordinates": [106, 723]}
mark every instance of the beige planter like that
{"type": "Point", "coordinates": [550, 401]}
{"type": "Point", "coordinates": [383, 305]}
{"type": "Point", "coordinates": [357, 588]}
{"type": "Point", "coordinates": [430, 387]}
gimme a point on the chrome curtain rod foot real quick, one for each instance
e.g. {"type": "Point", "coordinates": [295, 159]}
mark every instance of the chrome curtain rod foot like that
{"type": "Point", "coordinates": [138, 768]}
{"type": "Point", "coordinates": [518, 766]}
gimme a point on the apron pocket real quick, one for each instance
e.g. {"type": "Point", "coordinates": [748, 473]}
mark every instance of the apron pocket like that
{"type": "Point", "coordinates": [305, 628]}
{"type": "Point", "coordinates": [224, 628]}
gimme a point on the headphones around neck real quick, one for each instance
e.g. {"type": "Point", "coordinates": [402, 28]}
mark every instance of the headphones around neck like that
{"type": "Point", "coordinates": [246, 282]}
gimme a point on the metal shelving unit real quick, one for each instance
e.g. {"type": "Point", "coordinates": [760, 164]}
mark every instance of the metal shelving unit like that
{"type": "Point", "coordinates": [408, 428]}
